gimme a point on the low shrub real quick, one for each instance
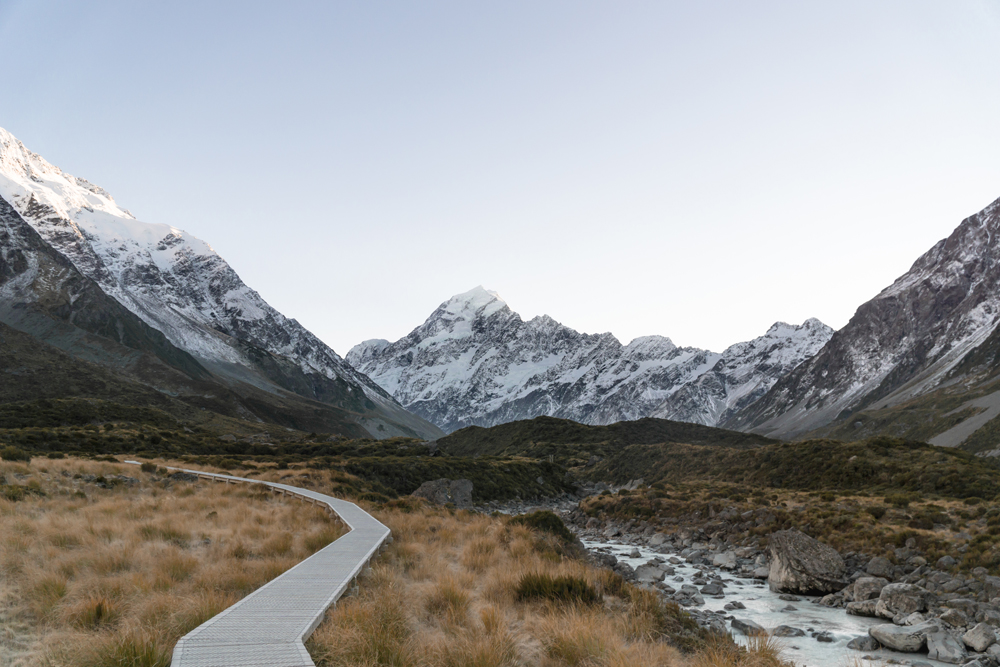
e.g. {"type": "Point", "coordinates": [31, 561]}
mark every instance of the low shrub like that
{"type": "Point", "coordinates": [10, 453]}
{"type": "Point", "coordinates": [547, 522]}
{"type": "Point", "coordinates": [540, 586]}
{"type": "Point", "coordinates": [148, 467]}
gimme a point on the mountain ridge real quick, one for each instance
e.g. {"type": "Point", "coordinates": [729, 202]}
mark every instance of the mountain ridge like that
{"type": "Point", "coordinates": [178, 286]}
{"type": "Point", "coordinates": [474, 361]}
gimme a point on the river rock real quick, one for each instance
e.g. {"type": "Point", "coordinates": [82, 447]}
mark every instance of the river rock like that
{"type": "Point", "coordinates": [906, 638]}
{"type": "Point", "coordinates": [864, 644]}
{"type": "Point", "coordinates": [800, 564]}
{"type": "Point", "coordinates": [726, 560]}
{"type": "Point", "coordinates": [444, 491]}
{"type": "Point", "coordinates": [761, 572]}
{"type": "Point", "coordinates": [748, 628]}
{"type": "Point", "coordinates": [980, 637]}
{"type": "Point", "coordinates": [868, 588]}
{"type": "Point", "coordinates": [649, 574]}
{"type": "Point", "coordinates": [946, 648]}
{"type": "Point", "coordinates": [712, 589]}
{"type": "Point", "coordinates": [879, 567]}
{"type": "Point", "coordinates": [657, 539]}
{"type": "Point", "coordinates": [787, 631]}
{"type": "Point", "coordinates": [865, 608]}
{"type": "Point", "coordinates": [955, 618]}
{"type": "Point", "coordinates": [825, 636]}
{"type": "Point", "coordinates": [900, 599]}
{"type": "Point", "coordinates": [732, 606]}
{"type": "Point", "coordinates": [899, 638]}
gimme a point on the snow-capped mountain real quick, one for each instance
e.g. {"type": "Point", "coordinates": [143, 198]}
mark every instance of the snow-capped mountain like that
{"type": "Point", "coordinates": [180, 286]}
{"type": "Point", "coordinates": [744, 373]}
{"type": "Point", "coordinates": [905, 342]}
{"type": "Point", "coordinates": [475, 361]}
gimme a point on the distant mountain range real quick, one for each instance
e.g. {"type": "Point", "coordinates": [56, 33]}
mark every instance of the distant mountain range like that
{"type": "Point", "coordinates": [921, 360]}
{"type": "Point", "coordinates": [95, 303]}
{"type": "Point", "coordinates": [83, 275]}
{"type": "Point", "coordinates": [474, 361]}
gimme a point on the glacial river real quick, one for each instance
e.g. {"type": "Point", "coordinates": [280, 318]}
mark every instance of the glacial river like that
{"type": "Point", "coordinates": [768, 610]}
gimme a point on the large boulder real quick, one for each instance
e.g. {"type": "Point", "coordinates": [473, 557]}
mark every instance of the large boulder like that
{"type": "Point", "coordinates": [906, 638]}
{"type": "Point", "coordinates": [900, 599]}
{"type": "Point", "coordinates": [879, 567]}
{"type": "Point", "coordinates": [980, 637]}
{"type": "Point", "coordinates": [800, 564]}
{"type": "Point", "coordinates": [868, 588]}
{"type": "Point", "coordinates": [944, 647]}
{"type": "Point", "coordinates": [444, 491]}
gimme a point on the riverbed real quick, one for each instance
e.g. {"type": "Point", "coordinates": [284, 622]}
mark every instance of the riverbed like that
{"type": "Point", "coordinates": [768, 610]}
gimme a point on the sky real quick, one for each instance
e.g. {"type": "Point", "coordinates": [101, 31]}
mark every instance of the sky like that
{"type": "Point", "coordinates": [697, 170]}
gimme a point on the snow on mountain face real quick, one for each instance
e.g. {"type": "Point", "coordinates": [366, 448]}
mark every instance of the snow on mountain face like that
{"type": "Point", "coordinates": [173, 281]}
{"type": "Point", "coordinates": [745, 372]}
{"type": "Point", "coordinates": [900, 344]}
{"type": "Point", "coordinates": [475, 361]}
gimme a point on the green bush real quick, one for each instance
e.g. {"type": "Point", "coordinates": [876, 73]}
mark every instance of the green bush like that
{"type": "Point", "coordinates": [898, 499]}
{"type": "Point", "coordinates": [877, 511]}
{"type": "Point", "coordinates": [547, 522]}
{"type": "Point", "coordinates": [14, 454]}
{"type": "Point", "coordinates": [537, 586]}
{"type": "Point", "coordinates": [148, 467]}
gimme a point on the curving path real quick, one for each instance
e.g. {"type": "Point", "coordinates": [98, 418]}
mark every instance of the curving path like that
{"type": "Point", "coordinates": [268, 628]}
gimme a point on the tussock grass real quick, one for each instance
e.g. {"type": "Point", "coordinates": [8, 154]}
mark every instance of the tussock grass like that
{"type": "Point", "coordinates": [447, 593]}
{"type": "Point", "coordinates": [96, 577]}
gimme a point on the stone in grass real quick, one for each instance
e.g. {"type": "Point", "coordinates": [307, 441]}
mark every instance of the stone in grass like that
{"type": "Point", "coordinates": [444, 491]}
{"type": "Point", "coordinates": [944, 647]}
{"type": "Point", "coordinates": [748, 628]}
{"type": "Point", "coordinates": [787, 631]}
{"type": "Point", "coordinates": [980, 637]}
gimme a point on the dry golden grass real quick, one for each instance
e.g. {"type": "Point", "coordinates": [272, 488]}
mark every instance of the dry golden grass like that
{"type": "Point", "coordinates": [446, 594]}
{"type": "Point", "coordinates": [93, 577]}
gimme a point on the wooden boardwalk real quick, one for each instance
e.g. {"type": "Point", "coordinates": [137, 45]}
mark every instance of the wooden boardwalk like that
{"type": "Point", "coordinates": [268, 628]}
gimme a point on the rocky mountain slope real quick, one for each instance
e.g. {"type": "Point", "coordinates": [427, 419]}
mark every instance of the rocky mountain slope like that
{"type": "Point", "coordinates": [744, 373]}
{"type": "Point", "coordinates": [922, 343]}
{"type": "Point", "coordinates": [181, 290]}
{"type": "Point", "coordinates": [474, 361]}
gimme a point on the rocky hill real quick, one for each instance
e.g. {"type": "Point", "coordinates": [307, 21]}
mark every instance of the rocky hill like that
{"type": "Point", "coordinates": [474, 361]}
{"type": "Point", "coordinates": [73, 253]}
{"type": "Point", "coordinates": [924, 344]}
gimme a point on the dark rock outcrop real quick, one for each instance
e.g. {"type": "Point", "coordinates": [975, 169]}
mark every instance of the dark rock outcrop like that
{"type": "Point", "coordinates": [443, 491]}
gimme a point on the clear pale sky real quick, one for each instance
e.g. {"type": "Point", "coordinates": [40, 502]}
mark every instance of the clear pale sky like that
{"type": "Point", "coordinates": [697, 170]}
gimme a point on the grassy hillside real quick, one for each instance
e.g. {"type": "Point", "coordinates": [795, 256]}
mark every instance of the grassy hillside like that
{"type": "Point", "coordinates": [573, 444]}
{"type": "Point", "coordinates": [877, 465]}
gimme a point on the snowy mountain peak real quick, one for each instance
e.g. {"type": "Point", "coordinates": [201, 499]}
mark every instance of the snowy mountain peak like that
{"type": "Point", "coordinates": [173, 281]}
{"type": "Point", "coordinates": [477, 302]}
{"type": "Point", "coordinates": [745, 372]}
